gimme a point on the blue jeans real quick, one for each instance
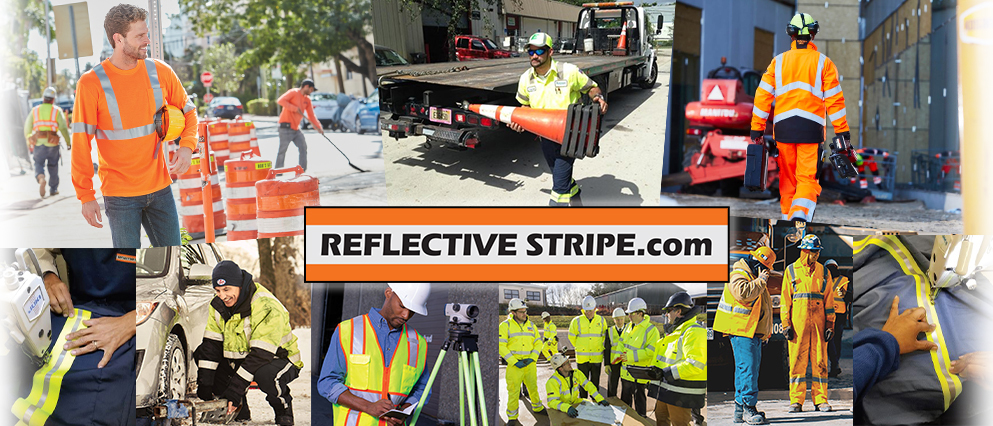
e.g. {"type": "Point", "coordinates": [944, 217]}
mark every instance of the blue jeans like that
{"type": "Point", "coordinates": [49, 154]}
{"type": "Point", "coordinates": [564, 189]}
{"type": "Point", "coordinates": [747, 358]}
{"type": "Point", "coordinates": [156, 212]}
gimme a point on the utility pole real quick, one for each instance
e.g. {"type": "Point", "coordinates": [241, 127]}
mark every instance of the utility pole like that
{"type": "Point", "coordinates": [48, 46]}
{"type": "Point", "coordinates": [155, 28]}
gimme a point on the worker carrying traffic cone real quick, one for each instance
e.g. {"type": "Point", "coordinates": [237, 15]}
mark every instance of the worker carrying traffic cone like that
{"type": "Point", "coordinates": [520, 343]}
{"type": "Point", "coordinates": [564, 385]}
{"type": "Point", "coordinates": [744, 314]}
{"type": "Point", "coordinates": [550, 84]}
{"type": "Point", "coordinates": [587, 333]}
{"type": "Point", "coordinates": [549, 337]}
{"type": "Point", "coordinates": [41, 129]}
{"type": "Point", "coordinates": [804, 85]}
{"type": "Point", "coordinates": [807, 314]}
{"type": "Point", "coordinates": [615, 348]}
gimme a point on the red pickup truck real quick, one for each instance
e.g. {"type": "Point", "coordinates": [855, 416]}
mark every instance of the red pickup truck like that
{"type": "Point", "coordinates": [473, 48]}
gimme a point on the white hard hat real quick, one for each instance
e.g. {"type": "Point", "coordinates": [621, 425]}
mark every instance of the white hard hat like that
{"type": "Point", "coordinates": [545, 314]}
{"type": "Point", "coordinates": [589, 303]}
{"type": "Point", "coordinates": [557, 360]}
{"type": "Point", "coordinates": [637, 304]}
{"type": "Point", "coordinates": [516, 304]}
{"type": "Point", "coordinates": [619, 313]}
{"type": "Point", "coordinates": [49, 93]}
{"type": "Point", "coordinates": [414, 296]}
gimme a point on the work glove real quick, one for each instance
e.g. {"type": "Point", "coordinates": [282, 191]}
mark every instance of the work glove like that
{"type": "Point", "coordinates": [846, 135]}
{"type": "Point", "coordinates": [788, 332]}
{"type": "Point", "coordinates": [573, 412]}
{"type": "Point", "coordinates": [828, 334]}
{"type": "Point", "coordinates": [604, 403]}
{"type": "Point", "coordinates": [204, 392]}
{"type": "Point", "coordinates": [757, 134]}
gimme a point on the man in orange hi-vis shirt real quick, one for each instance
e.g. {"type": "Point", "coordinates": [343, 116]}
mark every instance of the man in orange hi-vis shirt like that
{"type": "Point", "coordinates": [805, 87]}
{"type": "Point", "coordinates": [295, 103]}
{"type": "Point", "coordinates": [116, 103]}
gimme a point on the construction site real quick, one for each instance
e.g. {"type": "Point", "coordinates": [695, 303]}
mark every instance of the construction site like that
{"type": "Point", "coordinates": [896, 64]}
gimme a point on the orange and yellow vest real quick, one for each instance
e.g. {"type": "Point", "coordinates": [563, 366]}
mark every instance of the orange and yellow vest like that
{"type": "Point", "coordinates": [734, 317]}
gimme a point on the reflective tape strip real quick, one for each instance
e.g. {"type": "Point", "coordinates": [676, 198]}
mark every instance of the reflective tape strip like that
{"type": "Point", "coordinates": [759, 113]}
{"type": "Point", "coordinates": [189, 107]}
{"type": "Point", "coordinates": [233, 193]}
{"type": "Point", "coordinates": [837, 115]}
{"type": "Point", "coordinates": [799, 85]}
{"type": "Point", "coordinates": [521, 352]}
{"type": "Point", "coordinates": [125, 134]}
{"type": "Point", "coordinates": [590, 335]}
{"type": "Point", "coordinates": [779, 70]}
{"type": "Point", "coordinates": [108, 91]}
{"type": "Point", "coordinates": [244, 374]}
{"type": "Point", "coordinates": [669, 361]}
{"type": "Point", "coordinates": [674, 372]}
{"type": "Point", "coordinates": [503, 340]}
{"type": "Point", "coordinates": [153, 79]}
{"type": "Point", "coordinates": [89, 129]}
{"type": "Point", "coordinates": [264, 345]}
{"type": "Point", "coordinates": [798, 379]}
{"type": "Point", "coordinates": [198, 209]}
{"type": "Point", "coordinates": [358, 335]}
{"type": "Point", "coordinates": [207, 365]}
{"type": "Point", "coordinates": [353, 418]}
{"type": "Point", "coordinates": [366, 395]}
{"type": "Point", "coordinates": [697, 364]}
{"type": "Point", "coordinates": [722, 306]}
{"type": "Point", "coordinates": [243, 225]}
{"type": "Point", "coordinates": [832, 91]}
{"type": "Point", "coordinates": [213, 335]}
{"type": "Point", "coordinates": [808, 296]}
{"type": "Point", "coordinates": [767, 87]}
{"type": "Point", "coordinates": [295, 358]}
{"type": "Point", "coordinates": [818, 78]}
{"type": "Point", "coordinates": [412, 347]}
{"type": "Point", "coordinates": [519, 334]}
{"type": "Point", "coordinates": [819, 379]}
{"type": "Point", "coordinates": [829, 311]}
{"type": "Point", "coordinates": [247, 324]}
{"type": "Point", "coordinates": [805, 203]}
{"type": "Point", "coordinates": [281, 224]}
{"type": "Point", "coordinates": [584, 383]}
{"type": "Point", "coordinates": [683, 390]}
{"type": "Point", "coordinates": [589, 353]}
{"type": "Point", "coordinates": [798, 113]}
{"type": "Point", "coordinates": [47, 382]}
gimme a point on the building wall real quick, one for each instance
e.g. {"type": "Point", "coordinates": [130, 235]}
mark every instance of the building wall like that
{"type": "Point", "coordinates": [397, 28]}
{"type": "Point", "coordinates": [522, 294]}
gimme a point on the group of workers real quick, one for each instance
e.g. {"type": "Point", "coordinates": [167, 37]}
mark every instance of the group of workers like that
{"type": "Point", "coordinates": [812, 294]}
{"type": "Point", "coordinates": [676, 353]}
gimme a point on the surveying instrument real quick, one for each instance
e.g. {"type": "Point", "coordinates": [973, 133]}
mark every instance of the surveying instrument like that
{"type": "Point", "coordinates": [464, 343]}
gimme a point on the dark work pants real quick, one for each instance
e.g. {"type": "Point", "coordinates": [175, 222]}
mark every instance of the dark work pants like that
{"type": "Point", "coordinates": [638, 392]}
{"type": "Point", "coordinates": [592, 371]}
{"type": "Point", "coordinates": [273, 380]}
{"type": "Point", "coordinates": [50, 155]}
{"type": "Point", "coordinates": [834, 346]}
{"type": "Point", "coordinates": [564, 188]}
{"type": "Point", "coordinates": [613, 379]}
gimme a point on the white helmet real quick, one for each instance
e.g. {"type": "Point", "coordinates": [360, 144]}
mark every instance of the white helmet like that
{"type": "Point", "coordinates": [619, 313]}
{"type": "Point", "coordinates": [557, 360]}
{"type": "Point", "coordinates": [49, 93]}
{"type": "Point", "coordinates": [545, 315]}
{"type": "Point", "coordinates": [589, 303]}
{"type": "Point", "coordinates": [637, 304]}
{"type": "Point", "coordinates": [413, 295]}
{"type": "Point", "coordinates": [516, 304]}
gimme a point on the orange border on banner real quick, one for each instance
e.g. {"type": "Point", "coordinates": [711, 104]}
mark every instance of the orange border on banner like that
{"type": "Point", "coordinates": [518, 273]}
{"type": "Point", "coordinates": [498, 216]}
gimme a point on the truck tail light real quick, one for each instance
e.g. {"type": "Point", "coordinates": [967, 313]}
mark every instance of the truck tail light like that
{"type": "Point", "coordinates": [460, 118]}
{"type": "Point", "coordinates": [488, 122]}
{"type": "Point", "coordinates": [694, 132]}
{"type": "Point", "coordinates": [473, 119]}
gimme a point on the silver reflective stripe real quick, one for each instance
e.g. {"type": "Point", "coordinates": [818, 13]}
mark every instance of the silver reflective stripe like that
{"type": "Point", "coordinates": [767, 87]}
{"type": "Point", "coordinates": [675, 372]}
{"type": "Point", "coordinates": [353, 418]}
{"type": "Point", "coordinates": [837, 115]}
{"type": "Point", "coordinates": [818, 79]}
{"type": "Point", "coordinates": [503, 340]}
{"type": "Point", "coordinates": [366, 395]}
{"type": "Point", "coordinates": [799, 85]}
{"type": "Point", "coordinates": [213, 335]}
{"type": "Point", "coordinates": [584, 383]}
{"type": "Point", "coordinates": [520, 334]}
{"type": "Point", "coordinates": [722, 306]}
{"type": "Point", "coordinates": [808, 296]}
{"type": "Point", "coordinates": [89, 129]}
{"type": "Point", "coordinates": [779, 71]}
{"type": "Point", "coordinates": [798, 113]}
{"type": "Point", "coordinates": [832, 91]}
{"type": "Point", "coordinates": [819, 379]}
{"type": "Point", "coordinates": [669, 361]}
{"type": "Point", "coordinates": [680, 389]}
{"type": "Point", "coordinates": [248, 328]}
{"type": "Point", "coordinates": [590, 335]}
{"type": "Point", "coordinates": [264, 345]}
{"type": "Point", "coordinates": [286, 339]}
{"type": "Point", "coordinates": [358, 335]}
{"type": "Point", "coordinates": [397, 399]}
{"type": "Point", "coordinates": [761, 114]}
{"type": "Point", "coordinates": [411, 347]}
{"type": "Point", "coordinates": [588, 353]}
{"type": "Point", "coordinates": [805, 203]}
{"type": "Point", "coordinates": [798, 379]}
{"type": "Point", "coordinates": [235, 355]}
{"type": "Point", "coordinates": [295, 358]}
{"type": "Point", "coordinates": [697, 364]}
{"type": "Point", "coordinates": [521, 352]}
{"type": "Point", "coordinates": [279, 389]}
{"type": "Point", "coordinates": [244, 374]}
{"type": "Point", "coordinates": [134, 132]}
{"type": "Point", "coordinates": [108, 91]}
{"type": "Point", "coordinates": [189, 107]}
{"type": "Point", "coordinates": [207, 365]}
{"type": "Point", "coordinates": [153, 79]}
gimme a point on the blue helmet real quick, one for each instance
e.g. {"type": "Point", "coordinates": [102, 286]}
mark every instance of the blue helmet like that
{"type": "Point", "coordinates": [810, 242]}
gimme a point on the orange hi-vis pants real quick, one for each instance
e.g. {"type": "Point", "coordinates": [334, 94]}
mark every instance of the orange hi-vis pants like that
{"type": "Point", "coordinates": [798, 187]}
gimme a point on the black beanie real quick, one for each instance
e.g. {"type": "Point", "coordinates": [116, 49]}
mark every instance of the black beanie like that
{"type": "Point", "coordinates": [226, 273]}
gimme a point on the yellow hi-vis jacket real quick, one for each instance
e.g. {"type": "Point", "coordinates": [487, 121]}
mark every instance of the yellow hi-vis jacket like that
{"type": "Point", "coordinates": [551, 341]}
{"type": "Point", "coordinates": [639, 346]}
{"type": "Point", "coordinates": [587, 337]}
{"type": "Point", "coordinates": [519, 341]}
{"type": "Point", "coordinates": [366, 375]}
{"type": "Point", "coordinates": [839, 301]}
{"type": "Point", "coordinates": [563, 392]}
{"type": "Point", "coordinates": [742, 317]}
{"type": "Point", "coordinates": [682, 356]}
{"type": "Point", "coordinates": [616, 345]}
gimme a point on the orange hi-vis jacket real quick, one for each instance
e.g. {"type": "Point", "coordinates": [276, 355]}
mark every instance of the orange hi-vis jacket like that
{"type": "Point", "coordinates": [117, 107]}
{"type": "Point", "coordinates": [804, 85]}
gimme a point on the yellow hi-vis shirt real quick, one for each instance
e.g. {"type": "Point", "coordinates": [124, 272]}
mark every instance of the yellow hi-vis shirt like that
{"type": "Point", "coordinates": [561, 87]}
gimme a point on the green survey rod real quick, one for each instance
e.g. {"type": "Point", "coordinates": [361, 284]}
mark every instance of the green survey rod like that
{"type": "Point", "coordinates": [469, 388]}
{"type": "Point", "coordinates": [434, 372]}
{"type": "Point", "coordinates": [479, 385]}
{"type": "Point", "coordinates": [461, 395]}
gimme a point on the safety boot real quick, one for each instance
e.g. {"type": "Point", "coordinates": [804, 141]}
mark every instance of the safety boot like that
{"type": "Point", "coordinates": [825, 407]}
{"type": "Point", "coordinates": [41, 185]}
{"type": "Point", "coordinates": [738, 412]}
{"type": "Point", "coordinates": [795, 408]}
{"type": "Point", "coordinates": [244, 413]}
{"type": "Point", "coordinates": [285, 420]}
{"type": "Point", "coordinates": [753, 416]}
{"type": "Point", "coordinates": [514, 422]}
{"type": "Point", "coordinates": [542, 412]}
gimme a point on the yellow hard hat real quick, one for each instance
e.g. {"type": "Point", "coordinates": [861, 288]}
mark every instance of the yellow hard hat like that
{"type": "Point", "coordinates": [765, 256]}
{"type": "Point", "coordinates": [169, 123]}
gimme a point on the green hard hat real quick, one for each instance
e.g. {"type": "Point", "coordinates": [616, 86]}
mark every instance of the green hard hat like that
{"type": "Point", "coordinates": [802, 24]}
{"type": "Point", "coordinates": [540, 39]}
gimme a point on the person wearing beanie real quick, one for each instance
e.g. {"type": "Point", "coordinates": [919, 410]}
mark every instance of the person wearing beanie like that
{"type": "Point", "coordinates": [248, 338]}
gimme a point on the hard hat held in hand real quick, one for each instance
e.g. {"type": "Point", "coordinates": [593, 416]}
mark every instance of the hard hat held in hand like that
{"type": "Point", "coordinates": [516, 304]}
{"type": "Point", "coordinates": [557, 360]}
{"type": "Point", "coordinates": [589, 303]}
{"type": "Point", "coordinates": [619, 313]}
{"type": "Point", "coordinates": [414, 296]}
{"type": "Point", "coordinates": [810, 242]}
{"type": "Point", "coordinates": [637, 304]}
{"type": "Point", "coordinates": [169, 123]}
{"type": "Point", "coordinates": [765, 256]}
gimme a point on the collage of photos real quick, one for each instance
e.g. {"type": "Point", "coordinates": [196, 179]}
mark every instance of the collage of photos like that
{"type": "Point", "coordinates": [186, 146]}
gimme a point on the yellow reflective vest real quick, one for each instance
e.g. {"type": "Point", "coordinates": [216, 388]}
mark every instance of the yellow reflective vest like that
{"type": "Point", "coordinates": [639, 346]}
{"type": "Point", "coordinates": [519, 341]}
{"type": "Point", "coordinates": [682, 356]}
{"type": "Point", "coordinates": [563, 392]}
{"type": "Point", "coordinates": [587, 337]}
{"type": "Point", "coordinates": [562, 86]}
{"type": "Point", "coordinates": [736, 317]}
{"type": "Point", "coordinates": [839, 301]}
{"type": "Point", "coordinates": [616, 346]}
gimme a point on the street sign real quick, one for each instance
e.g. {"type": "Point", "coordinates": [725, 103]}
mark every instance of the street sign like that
{"type": "Point", "coordinates": [207, 78]}
{"type": "Point", "coordinates": [64, 23]}
{"type": "Point", "coordinates": [208, 97]}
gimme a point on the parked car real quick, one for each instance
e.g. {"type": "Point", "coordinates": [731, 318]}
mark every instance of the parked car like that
{"type": "Point", "coordinates": [350, 113]}
{"type": "Point", "coordinates": [225, 107]}
{"type": "Point", "coordinates": [66, 103]}
{"type": "Point", "coordinates": [386, 57]}
{"type": "Point", "coordinates": [473, 48]}
{"type": "Point", "coordinates": [362, 114]}
{"type": "Point", "coordinates": [326, 110]}
{"type": "Point", "coordinates": [173, 293]}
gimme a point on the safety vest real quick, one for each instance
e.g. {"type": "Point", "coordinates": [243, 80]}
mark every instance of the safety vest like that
{"type": "Point", "coordinates": [563, 392]}
{"type": "Point", "coordinates": [239, 335]}
{"type": "Point", "coordinates": [734, 317]}
{"type": "Point", "coordinates": [804, 85]}
{"type": "Point", "coordinates": [813, 289]}
{"type": "Point", "coordinates": [587, 337]}
{"type": "Point", "coordinates": [684, 354]}
{"type": "Point", "coordinates": [519, 341]}
{"type": "Point", "coordinates": [563, 86]}
{"type": "Point", "coordinates": [43, 123]}
{"type": "Point", "coordinates": [366, 374]}
{"type": "Point", "coordinates": [549, 333]}
{"type": "Point", "coordinates": [639, 346]}
{"type": "Point", "coordinates": [839, 301]}
{"type": "Point", "coordinates": [616, 345]}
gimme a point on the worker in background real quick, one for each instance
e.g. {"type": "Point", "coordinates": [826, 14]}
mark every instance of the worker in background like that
{"type": "Point", "coordinates": [43, 140]}
{"type": "Point", "coordinates": [368, 348]}
{"type": "Point", "coordinates": [588, 333]}
{"type": "Point", "coordinates": [744, 314]}
{"type": "Point", "coordinates": [296, 103]}
{"type": "Point", "coordinates": [682, 356]}
{"type": "Point", "coordinates": [549, 336]}
{"type": "Point", "coordinates": [92, 297]}
{"type": "Point", "coordinates": [840, 290]}
{"type": "Point", "coordinates": [230, 358]}
{"type": "Point", "coordinates": [615, 351]}
{"type": "Point", "coordinates": [564, 385]}
{"type": "Point", "coordinates": [117, 102]}
{"type": "Point", "coordinates": [805, 87]}
{"type": "Point", "coordinates": [876, 353]}
{"type": "Point", "coordinates": [639, 338]}
{"type": "Point", "coordinates": [550, 84]}
{"type": "Point", "coordinates": [520, 342]}
{"type": "Point", "coordinates": [807, 314]}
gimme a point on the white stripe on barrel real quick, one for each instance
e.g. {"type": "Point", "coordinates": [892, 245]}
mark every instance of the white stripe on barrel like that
{"type": "Point", "coordinates": [219, 138]}
{"type": "Point", "coordinates": [234, 193]}
{"type": "Point", "coordinates": [198, 209]}
{"type": "Point", "coordinates": [280, 224]}
{"type": "Point", "coordinates": [242, 225]}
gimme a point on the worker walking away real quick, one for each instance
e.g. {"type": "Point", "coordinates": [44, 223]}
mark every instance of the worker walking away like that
{"type": "Point", "coordinates": [803, 83]}
{"type": "Point", "coordinates": [682, 356]}
{"type": "Point", "coordinates": [615, 351]}
{"type": "Point", "coordinates": [248, 338]}
{"type": "Point", "coordinates": [375, 362]}
{"type": "Point", "coordinates": [840, 290]}
{"type": "Point", "coordinates": [639, 338]}
{"type": "Point", "coordinates": [564, 385]}
{"type": "Point", "coordinates": [131, 104]}
{"type": "Point", "coordinates": [296, 103]}
{"type": "Point", "coordinates": [549, 336]}
{"type": "Point", "coordinates": [550, 84]}
{"type": "Point", "coordinates": [520, 342]}
{"type": "Point", "coordinates": [744, 314]}
{"type": "Point", "coordinates": [89, 377]}
{"type": "Point", "coordinates": [588, 333]}
{"type": "Point", "coordinates": [807, 315]}
{"type": "Point", "coordinates": [43, 140]}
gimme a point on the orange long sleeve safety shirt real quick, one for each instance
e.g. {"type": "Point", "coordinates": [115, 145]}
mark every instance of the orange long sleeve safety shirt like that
{"type": "Point", "coordinates": [295, 98]}
{"type": "Point", "coordinates": [117, 107]}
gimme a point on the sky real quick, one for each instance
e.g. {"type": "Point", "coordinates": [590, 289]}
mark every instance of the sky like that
{"type": "Point", "coordinates": [97, 10]}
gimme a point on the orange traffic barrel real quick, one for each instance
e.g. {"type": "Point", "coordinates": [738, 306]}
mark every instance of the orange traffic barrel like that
{"type": "Point", "coordinates": [173, 148]}
{"type": "Point", "coordinates": [219, 141]}
{"type": "Point", "coordinates": [255, 140]}
{"type": "Point", "coordinates": [191, 200]}
{"type": "Point", "coordinates": [239, 194]}
{"type": "Point", "coordinates": [281, 202]}
{"type": "Point", "coordinates": [239, 138]}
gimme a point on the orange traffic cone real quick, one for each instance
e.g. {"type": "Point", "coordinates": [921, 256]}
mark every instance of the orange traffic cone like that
{"type": "Point", "coordinates": [622, 43]}
{"type": "Point", "coordinates": [576, 128]}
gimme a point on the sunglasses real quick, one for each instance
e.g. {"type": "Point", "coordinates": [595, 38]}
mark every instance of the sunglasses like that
{"type": "Point", "coordinates": [538, 52]}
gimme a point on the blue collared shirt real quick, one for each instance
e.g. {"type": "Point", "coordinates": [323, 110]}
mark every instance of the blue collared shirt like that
{"type": "Point", "coordinates": [331, 384]}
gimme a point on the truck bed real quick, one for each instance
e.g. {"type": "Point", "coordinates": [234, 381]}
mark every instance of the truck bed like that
{"type": "Point", "coordinates": [499, 75]}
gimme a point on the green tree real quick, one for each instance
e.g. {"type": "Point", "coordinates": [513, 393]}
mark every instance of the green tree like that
{"type": "Point", "coordinates": [26, 16]}
{"type": "Point", "coordinates": [31, 70]}
{"type": "Point", "coordinates": [455, 10]}
{"type": "Point", "coordinates": [221, 60]}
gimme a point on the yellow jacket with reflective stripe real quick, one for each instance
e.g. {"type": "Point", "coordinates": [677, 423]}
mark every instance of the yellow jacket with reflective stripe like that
{"type": "Point", "coordinates": [550, 332]}
{"type": "Point", "coordinates": [839, 301]}
{"type": "Point", "coordinates": [639, 346]}
{"type": "Point", "coordinates": [742, 317]}
{"type": "Point", "coordinates": [616, 345]}
{"type": "Point", "coordinates": [366, 375]}
{"type": "Point", "coordinates": [267, 328]}
{"type": "Point", "coordinates": [587, 336]}
{"type": "Point", "coordinates": [806, 295]}
{"type": "Point", "coordinates": [563, 392]}
{"type": "Point", "coordinates": [563, 86]}
{"type": "Point", "coordinates": [684, 352]}
{"type": "Point", "coordinates": [519, 341]}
